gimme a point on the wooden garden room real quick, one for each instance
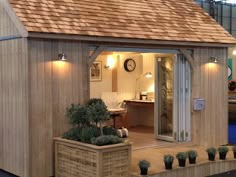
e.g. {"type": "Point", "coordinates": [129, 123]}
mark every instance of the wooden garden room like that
{"type": "Point", "coordinates": [36, 85]}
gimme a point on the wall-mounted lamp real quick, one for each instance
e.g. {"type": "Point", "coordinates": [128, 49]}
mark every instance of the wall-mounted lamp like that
{"type": "Point", "coordinates": [148, 75]}
{"type": "Point", "coordinates": [62, 57]}
{"type": "Point", "coordinates": [214, 60]}
{"type": "Point", "coordinates": [110, 62]}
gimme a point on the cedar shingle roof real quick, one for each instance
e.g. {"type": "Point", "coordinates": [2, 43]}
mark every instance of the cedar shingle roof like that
{"type": "Point", "coordinates": [171, 20]}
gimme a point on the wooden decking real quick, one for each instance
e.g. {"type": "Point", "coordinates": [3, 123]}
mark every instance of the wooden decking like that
{"type": "Point", "coordinates": [155, 156]}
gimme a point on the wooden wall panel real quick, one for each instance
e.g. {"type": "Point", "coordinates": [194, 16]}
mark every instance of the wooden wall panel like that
{"type": "Point", "coordinates": [7, 27]}
{"type": "Point", "coordinates": [210, 82]}
{"type": "Point", "coordinates": [54, 85]}
{"type": "Point", "coordinates": [14, 149]}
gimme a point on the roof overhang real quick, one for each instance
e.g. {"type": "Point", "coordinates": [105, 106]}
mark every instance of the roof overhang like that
{"type": "Point", "coordinates": [113, 40]}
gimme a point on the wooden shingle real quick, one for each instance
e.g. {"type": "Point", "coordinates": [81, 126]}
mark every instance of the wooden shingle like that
{"type": "Point", "coordinates": [171, 20]}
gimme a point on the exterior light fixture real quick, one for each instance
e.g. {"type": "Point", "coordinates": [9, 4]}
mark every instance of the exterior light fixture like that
{"type": "Point", "coordinates": [214, 60]}
{"type": "Point", "coordinates": [62, 57]}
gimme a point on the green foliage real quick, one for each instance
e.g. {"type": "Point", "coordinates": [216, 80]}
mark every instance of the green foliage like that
{"type": "Point", "coordinates": [109, 131]}
{"type": "Point", "coordinates": [106, 140]}
{"type": "Point", "coordinates": [223, 149]}
{"type": "Point", "coordinates": [88, 133]}
{"type": "Point", "coordinates": [168, 158]}
{"type": "Point", "coordinates": [211, 150]}
{"type": "Point", "coordinates": [73, 134]}
{"type": "Point", "coordinates": [85, 119]}
{"type": "Point", "coordinates": [78, 114]}
{"type": "Point", "coordinates": [192, 153]}
{"type": "Point", "coordinates": [98, 110]}
{"type": "Point", "coordinates": [144, 164]}
{"type": "Point", "coordinates": [181, 155]}
{"type": "Point", "coordinates": [234, 148]}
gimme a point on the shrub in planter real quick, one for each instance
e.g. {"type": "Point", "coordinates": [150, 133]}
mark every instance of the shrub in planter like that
{"type": "Point", "coordinates": [87, 121]}
{"type": "Point", "coordinates": [181, 156]}
{"type": "Point", "coordinates": [234, 151]}
{"type": "Point", "coordinates": [211, 153]}
{"type": "Point", "coordinates": [143, 166]}
{"type": "Point", "coordinates": [168, 160]}
{"type": "Point", "coordinates": [192, 155]}
{"type": "Point", "coordinates": [73, 134]}
{"type": "Point", "coordinates": [223, 150]}
{"type": "Point", "coordinates": [106, 140]}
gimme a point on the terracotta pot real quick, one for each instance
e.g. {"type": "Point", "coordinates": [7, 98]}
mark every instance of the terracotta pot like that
{"type": "Point", "coordinates": [168, 166]}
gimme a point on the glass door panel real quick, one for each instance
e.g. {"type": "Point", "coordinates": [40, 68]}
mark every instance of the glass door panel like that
{"type": "Point", "coordinates": [165, 71]}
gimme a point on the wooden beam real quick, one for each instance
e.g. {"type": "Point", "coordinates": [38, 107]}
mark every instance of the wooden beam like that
{"type": "Point", "coordinates": [95, 54]}
{"type": "Point", "coordinates": [188, 57]}
{"type": "Point", "coordinates": [21, 28]}
{"type": "Point", "coordinates": [117, 40]}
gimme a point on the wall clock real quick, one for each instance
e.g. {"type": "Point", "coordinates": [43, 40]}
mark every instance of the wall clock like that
{"type": "Point", "coordinates": [129, 65]}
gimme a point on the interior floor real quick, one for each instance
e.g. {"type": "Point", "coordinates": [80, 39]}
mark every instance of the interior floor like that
{"type": "Point", "coordinates": [143, 137]}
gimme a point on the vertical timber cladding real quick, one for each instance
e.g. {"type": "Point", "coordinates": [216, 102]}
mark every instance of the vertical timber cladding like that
{"type": "Point", "coordinates": [54, 85]}
{"type": "Point", "coordinates": [7, 27]}
{"type": "Point", "coordinates": [14, 147]}
{"type": "Point", "coordinates": [210, 82]}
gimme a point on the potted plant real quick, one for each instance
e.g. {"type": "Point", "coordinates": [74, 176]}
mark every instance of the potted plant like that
{"type": "Point", "coordinates": [143, 166]}
{"type": "Point", "coordinates": [89, 145]}
{"type": "Point", "coordinates": [234, 151]}
{"type": "Point", "coordinates": [223, 150]}
{"type": "Point", "coordinates": [168, 160]}
{"type": "Point", "coordinates": [211, 151]}
{"type": "Point", "coordinates": [181, 156]}
{"type": "Point", "coordinates": [192, 155]}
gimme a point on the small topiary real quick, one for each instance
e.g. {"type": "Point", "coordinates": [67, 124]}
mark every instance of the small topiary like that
{"type": "Point", "coordinates": [78, 115]}
{"type": "Point", "coordinates": [106, 140]}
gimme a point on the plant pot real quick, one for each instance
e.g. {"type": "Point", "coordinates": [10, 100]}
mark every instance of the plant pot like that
{"type": "Point", "coordinates": [222, 156]}
{"type": "Point", "coordinates": [211, 157]}
{"type": "Point", "coordinates": [192, 160]}
{"type": "Point", "coordinates": [143, 171]}
{"type": "Point", "coordinates": [235, 155]}
{"type": "Point", "coordinates": [168, 165]}
{"type": "Point", "coordinates": [182, 162]}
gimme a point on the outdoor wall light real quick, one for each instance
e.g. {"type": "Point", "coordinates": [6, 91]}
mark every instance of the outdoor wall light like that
{"type": "Point", "coordinates": [62, 57]}
{"type": "Point", "coordinates": [214, 60]}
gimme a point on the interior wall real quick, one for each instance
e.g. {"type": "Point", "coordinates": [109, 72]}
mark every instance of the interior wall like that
{"type": "Point", "coordinates": [128, 83]}
{"type": "Point", "coordinates": [209, 81]}
{"type": "Point", "coordinates": [105, 85]}
{"type": "Point", "coordinates": [14, 134]}
{"type": "Point", "coordinates": [54, 85]}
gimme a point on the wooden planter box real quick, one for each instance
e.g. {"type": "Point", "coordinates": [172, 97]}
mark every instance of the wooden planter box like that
{"type": "Point", "coordinates": [75, 159]}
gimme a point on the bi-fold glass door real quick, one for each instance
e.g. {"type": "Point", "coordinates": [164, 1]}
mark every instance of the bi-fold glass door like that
{"type": "Point", "coordinates": [172, 102]}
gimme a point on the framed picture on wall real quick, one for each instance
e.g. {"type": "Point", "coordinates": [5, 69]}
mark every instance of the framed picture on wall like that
{"type": "Point", "coordinates": [96, 71]}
